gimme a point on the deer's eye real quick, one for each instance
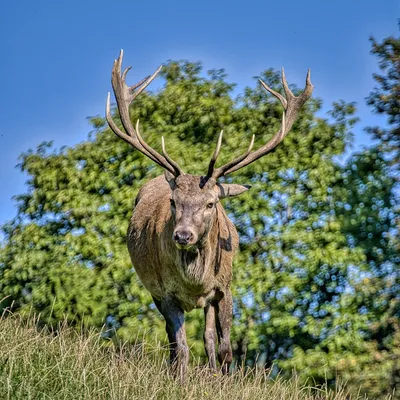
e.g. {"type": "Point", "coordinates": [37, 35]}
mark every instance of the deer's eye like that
{"type": "Point", "coordinates": [210, 205]}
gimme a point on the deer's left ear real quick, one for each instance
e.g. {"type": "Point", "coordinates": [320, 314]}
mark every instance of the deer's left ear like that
{"type": "Point", "coordinates": [230, 189]}
{"type": "Point", "coordinates": [170, 179]}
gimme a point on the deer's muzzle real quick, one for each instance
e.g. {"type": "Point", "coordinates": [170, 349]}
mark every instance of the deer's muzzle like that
{"type": "Point", "coordinates": [183, 237]}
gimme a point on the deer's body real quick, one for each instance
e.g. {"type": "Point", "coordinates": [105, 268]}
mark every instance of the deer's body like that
{"type": "Point", "coordinates": [195, 277]}
{"type": "Point", "coordinates": [180, 239]}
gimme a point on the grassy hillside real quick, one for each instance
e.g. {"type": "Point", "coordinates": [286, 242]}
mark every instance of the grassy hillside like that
{"type": "Point", "coordinates": [70, 365]}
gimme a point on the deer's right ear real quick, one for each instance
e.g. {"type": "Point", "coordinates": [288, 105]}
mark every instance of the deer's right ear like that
{"type": "Point", "coordinates": [170, 178]}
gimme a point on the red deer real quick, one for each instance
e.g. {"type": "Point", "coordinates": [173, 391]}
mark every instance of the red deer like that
{"type": "Point", "coordinates": [180, 240]}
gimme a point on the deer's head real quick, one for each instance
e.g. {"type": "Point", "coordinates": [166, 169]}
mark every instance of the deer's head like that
{"type": "Point", "coordinates": [194, 206]}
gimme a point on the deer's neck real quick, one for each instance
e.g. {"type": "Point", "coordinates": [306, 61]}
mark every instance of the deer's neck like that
{"type": "Point", "coordinates": [197, 264]}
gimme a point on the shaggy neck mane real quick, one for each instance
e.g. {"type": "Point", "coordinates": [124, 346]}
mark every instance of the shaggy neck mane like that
{"type": "Point", "coordinates": [195, 264]}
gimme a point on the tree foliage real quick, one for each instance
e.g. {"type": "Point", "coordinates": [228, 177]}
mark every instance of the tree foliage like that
{"type": "Point", "coordinates": [371, 222]}
{"type": "Point", "coordinates": [385, 98]}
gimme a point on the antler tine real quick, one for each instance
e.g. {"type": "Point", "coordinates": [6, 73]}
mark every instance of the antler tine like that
{"type": "Point", "coordinates": [145, 82]}
{"type": "Point", "coordinates": [291, 105]}
{"type": "Point", "coordinates": [221, 170]}
{"type": "Point", "coordinates": [285, 85]}
{"type": "Point", "coordinates": [176, 169]}
{"type": "Point", "coordinates": [215, 155]}
{"type": "Point", "coordinates": [124, 96]}
{"type": "Point", "coordinates": [148, 148]}
{"type": "Point", "coordinates": [169, 159]}
{"type": "Point", "coordinates": [112, 124]}
{"type": "Point", "coordinates": [274, 93]}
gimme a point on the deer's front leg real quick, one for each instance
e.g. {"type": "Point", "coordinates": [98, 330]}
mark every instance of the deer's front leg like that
{"type": "Point", "coordinates": [174, 318]}
{"type": "Point", "coordinates": [209, 335]}
{"type": "Point", "coordinates": [224, 323]}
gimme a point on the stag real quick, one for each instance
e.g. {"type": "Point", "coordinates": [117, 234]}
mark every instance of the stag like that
{"type": "Point", "coordinates": [180, 240]}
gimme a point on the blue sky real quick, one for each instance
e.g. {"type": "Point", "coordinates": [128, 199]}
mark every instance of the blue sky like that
{"type": "Point", "coordinates": [56, 57]}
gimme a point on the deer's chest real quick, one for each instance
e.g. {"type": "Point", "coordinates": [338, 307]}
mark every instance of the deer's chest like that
{"type": "Point", "coordinates": [193, 283]}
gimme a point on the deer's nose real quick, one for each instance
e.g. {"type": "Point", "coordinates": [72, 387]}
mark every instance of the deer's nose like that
{"type": "Point", "coordinates": [183, 237]}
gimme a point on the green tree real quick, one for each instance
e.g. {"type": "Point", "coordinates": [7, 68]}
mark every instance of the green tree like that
{"type": "Point", "coordinates": [385, 98]}
{"type": "Point", "coordinates": [365, 209]}
{"type": "Point", "coordinates": [369, 213]}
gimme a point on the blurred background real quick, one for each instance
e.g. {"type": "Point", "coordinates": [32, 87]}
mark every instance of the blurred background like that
{"type": "Point", "coordinates": [316, 281]}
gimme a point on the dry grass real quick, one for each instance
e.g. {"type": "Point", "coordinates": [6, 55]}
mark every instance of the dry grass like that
{"type": "Point", "coordinates": [70, 365]}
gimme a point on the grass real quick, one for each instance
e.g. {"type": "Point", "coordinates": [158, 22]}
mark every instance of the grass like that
{"type": "Point", "coordinates": [40, 364]}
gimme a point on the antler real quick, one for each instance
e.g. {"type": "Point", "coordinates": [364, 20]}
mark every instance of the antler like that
{"type": "Point", "coordinates": [291, 105]}
{"type": "Point", "coordinates": [124, 96]}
